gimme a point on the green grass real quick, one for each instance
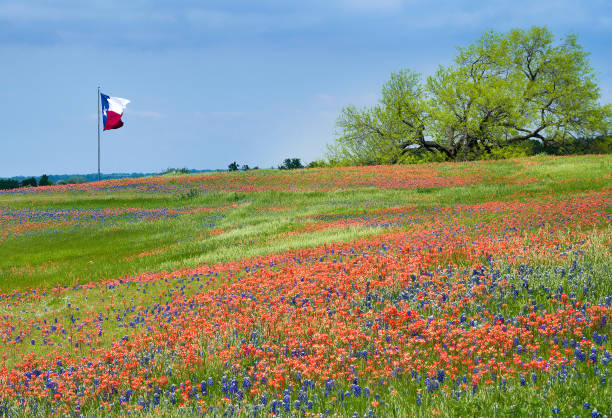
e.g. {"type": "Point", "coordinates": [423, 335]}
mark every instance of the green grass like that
{"type": "Point", "coordinates": [92, 252]}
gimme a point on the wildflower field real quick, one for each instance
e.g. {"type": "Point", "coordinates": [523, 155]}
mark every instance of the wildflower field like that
{"type": "Point", "coordinates": [455, 289]}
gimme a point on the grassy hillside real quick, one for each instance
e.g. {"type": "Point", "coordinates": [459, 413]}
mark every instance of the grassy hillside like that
{"type": "Point", "coordinates": [474, 289]}
{"type": "Point", "coordinates": [81, 233]}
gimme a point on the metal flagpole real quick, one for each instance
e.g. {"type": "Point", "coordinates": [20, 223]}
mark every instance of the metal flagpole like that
{"type": "Point", "coordinates": [98, 133]}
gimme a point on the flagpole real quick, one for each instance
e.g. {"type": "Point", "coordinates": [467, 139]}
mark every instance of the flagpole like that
{"type": "Point", "coordinates": [98, 133]}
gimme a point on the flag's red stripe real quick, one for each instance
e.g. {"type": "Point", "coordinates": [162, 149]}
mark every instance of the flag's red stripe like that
{"type": "Point", "coordinates": [113, 121]}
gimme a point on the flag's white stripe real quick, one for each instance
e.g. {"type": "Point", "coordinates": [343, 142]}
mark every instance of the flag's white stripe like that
{"type": "Point", "coordinates": [117, 104]}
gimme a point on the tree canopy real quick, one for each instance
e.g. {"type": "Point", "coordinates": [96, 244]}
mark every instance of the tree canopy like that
{"type": "Point", "coordinates": [44, 181]}
{"type": "Point", "coordinates": [291, 164]}
{"type": "Point", "coordinates": [505, 89]}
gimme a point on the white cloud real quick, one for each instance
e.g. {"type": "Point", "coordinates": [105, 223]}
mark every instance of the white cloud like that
{"type": "Point", "coordinates": [21, 11]}
{"type": "Point", "coordinates": [376, 6]}
{"type": "Point", "coordinates": [180, 23]}
{"type": "Point", "coordinates": [326, 99]}
{"type": "Point", "coordinates": [226, 114]}
{"type": "Point", "coordinates": [38, 11]}
{"type": "Point", "coordinates": [259, 22]}
{"type": "Point", "coordinates": [145, 113]}
{"type": "Point", "coordinates": [219, 115]}
{"type": "Point", "coordinates": [605, 22]}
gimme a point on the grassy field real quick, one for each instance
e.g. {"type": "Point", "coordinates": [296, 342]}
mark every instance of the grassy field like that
{"type": "Point", "coordinates": [473, 289]}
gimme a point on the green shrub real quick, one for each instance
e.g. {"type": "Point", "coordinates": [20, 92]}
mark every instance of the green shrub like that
{"type": "Point", "coordinates": [6, 184]}
{"type": "Point", "coordinates": [193, 192]}
{"type": "Point", "coordinates": [170, 170]}
{"type": "Point", "coordinates": [422, 157]}
{"type": "Point", "coordinates": [44, 181]}
{"type": "Point", "coordinates": [73, 180]}
{"type": "Point", "coordinates": [317, 164]}
{"type": "Point", "coordinates": [291, 164]}
{"type": "Point", "coordinates": [601, 145]}
{"type": "Point", "coordinates": [29, 182]}
{"type": "Point", "coordinates": [595, 145]}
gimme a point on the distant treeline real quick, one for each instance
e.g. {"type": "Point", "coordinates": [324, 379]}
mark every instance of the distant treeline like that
{"type": "Point", "coordinates": [45, 180]}
{"type": "Point", "coordinates": [288, 164]}
{"type": "Point", "coordinates": [26, 182]}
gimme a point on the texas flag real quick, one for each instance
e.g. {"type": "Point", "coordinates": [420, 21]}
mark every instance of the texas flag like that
{"type": "Point", "coordinates": [112, 110]}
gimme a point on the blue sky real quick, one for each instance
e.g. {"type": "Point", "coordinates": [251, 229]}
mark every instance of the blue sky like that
{"type": "Point", "coordinates": [216, 81]}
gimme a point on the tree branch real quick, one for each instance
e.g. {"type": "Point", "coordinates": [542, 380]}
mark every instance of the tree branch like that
{"type": "Point", "coordinates": [428, 145]}
{"type": "Point", "coordinates": [533, 134]}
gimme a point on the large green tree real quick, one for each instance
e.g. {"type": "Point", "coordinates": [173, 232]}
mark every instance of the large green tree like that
{"type": "Point", "coordinates": [504, 89]}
